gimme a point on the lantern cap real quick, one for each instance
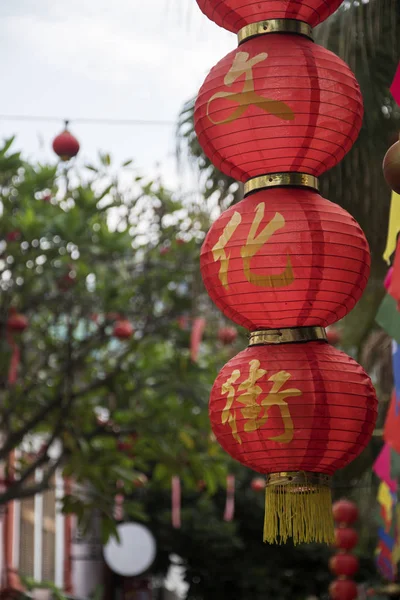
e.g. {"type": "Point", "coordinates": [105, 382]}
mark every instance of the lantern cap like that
{"type": "Point", "coordinates": [274, 26]}
{"type": "Point", "coordinates": [298, 505]}
{"type": "Point", "coordinates": [280, 180]}
{"type": "Point", "coordinates": [287, 336]}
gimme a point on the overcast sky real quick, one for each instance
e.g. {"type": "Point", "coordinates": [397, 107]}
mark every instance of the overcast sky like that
{"type": "Point", "coordinates": [134, 59]}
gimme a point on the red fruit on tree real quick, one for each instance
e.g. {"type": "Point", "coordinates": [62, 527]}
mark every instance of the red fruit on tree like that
{"type": "Point", "coordinates": [227, 335]}
{"type": "Point", "coordinates": [180, 241]}
{"type": "Point", "coordinates": [123, 330]}
{"type": "Point", "coordinates": [65, 145]}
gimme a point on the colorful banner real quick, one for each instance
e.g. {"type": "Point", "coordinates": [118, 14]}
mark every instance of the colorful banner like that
{"type": "Point", "coordinates": [395, 87]}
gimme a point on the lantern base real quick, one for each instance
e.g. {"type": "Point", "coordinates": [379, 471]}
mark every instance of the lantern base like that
{"type": "Point", "coordinates": [298, 506]}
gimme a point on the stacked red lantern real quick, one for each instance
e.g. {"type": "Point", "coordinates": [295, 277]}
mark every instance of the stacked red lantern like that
{"type": "Point", "coordinates": [344, 564]}
{"type": "Point", "coordinates": [285, 263]}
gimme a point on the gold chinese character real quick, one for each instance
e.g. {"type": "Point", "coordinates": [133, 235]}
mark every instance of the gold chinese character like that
{"type": "Point", "coordinates": [249, 250]}
{"type": "Point", "coordinates": [243, 65]}
{"type": "Point", "coordinates": [257, 415]}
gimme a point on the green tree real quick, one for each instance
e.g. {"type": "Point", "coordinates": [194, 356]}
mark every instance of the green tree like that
{"type": "Point", "coordinates": [81, 251]}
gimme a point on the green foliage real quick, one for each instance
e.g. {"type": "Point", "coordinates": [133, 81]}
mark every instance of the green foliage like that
{"type": "Point", "coordinates": [77, 249]}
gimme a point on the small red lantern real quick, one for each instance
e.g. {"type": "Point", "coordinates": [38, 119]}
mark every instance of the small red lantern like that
{"type": "Point", "coordinates": [235, 14]}
{"type": "Point", "coordinates": [258, 484]}
{"type": "Point", "coordinates": [264, 407]}
{"type": "Point", "coordinates": [343, 589]}
{"type": "Point", "coordinates": [333, 335]}
{"type": "Point", "coordinates": [280, 103]}
{"type": "Point", "coordinates": [140, 480]}
{"type": "Point", "coordinates": [346, 538]}
{"type": "Point", "coordinates": [227, 335]}
{"type": "Point", "coordinates": [345, 511]}
{"type": "Point", "coordinates": [123, 330]}
{"type": "Point", "coordinates": [344, 565]}
{"type": "Point", "coordinates": [65, 145]}
{"type": "Point", "coordinates": [17, 322]}
{"type": "Point", "coordinates": [285, 258]}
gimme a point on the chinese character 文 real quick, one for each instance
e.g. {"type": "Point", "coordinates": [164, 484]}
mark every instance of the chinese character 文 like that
{"type": "Point", "coordinates": [243, 65]}
{"type": "Point", "coordinates": [256, 414]}
{"type": "Point", "coordinates": [253, 245]}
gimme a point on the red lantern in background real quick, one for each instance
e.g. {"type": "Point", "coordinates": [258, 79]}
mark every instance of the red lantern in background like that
{"type": "Point", "coordinates": [65, 145]}
{"type": "Point", "coordinates": [235, 14]}
{"type": "Point", "coordinates": [17, 322]}
{"type": "Point", "coordinates": [345, 512]}
{"type": "Point", "coordinates": [285, 258]}
{"type": "Point", "coordinates": [343, 589]}
{"type": "Point", "coordinates": [346, 538]}
{"type": "Point", "coordinates": [280, 103]}
{"type": "Point", "coordinates": [344, 565]}
{"type": "Point", "coordinates": [264, 407]}
{"type": "Point", "coordinates": [123, 330]}
{"type": "Point", "coordinates": [258, 484]}
{"type": "Point", "coordinates": [333, 335]}
{"type": "Point", "coordinates": [140, 480]}
{"type": "Point", "coordinates": [227, 335]}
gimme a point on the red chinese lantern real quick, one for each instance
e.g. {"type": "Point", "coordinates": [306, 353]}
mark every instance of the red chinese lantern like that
{"type": "Point", "coordinates": [345, 512]}
{"type": "Point", "coordinates": [65, 145]}
{"type": "Point", "coordinates": [285, 258]}
{"type": "Point", "coordinates": [282, 410]}
{"type": "Point", "coordinates": [123, 330]}
{"type": "Point", "coordinates": [344, 565]}
{"type": "Point", "coordinates": [235, 14]}
{"type": "Point", "coordinates": [227, 335]}
{"type": "Point", "coordinates": [278, 104]}
{"type": "Point", "coordinates": [346, 538]}
{"type": "Point", "coordinates": [284, 263]}
{"type": "Point", "coordinates": [333, 335]}
{"type": "Point", "coordinates": [258, 484]}
{"type": "Point", "coordinates": [17, 322]}
{"type": "Point", "coordinates": [343, 589]}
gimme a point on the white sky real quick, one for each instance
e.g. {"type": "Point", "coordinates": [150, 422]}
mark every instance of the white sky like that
{"type": "Point", "coordinates": [139, 59]}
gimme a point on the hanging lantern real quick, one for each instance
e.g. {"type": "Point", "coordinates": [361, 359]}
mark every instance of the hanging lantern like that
{"type": "Point", "coordinates": [344, 565]}
{"type": "Point", "coordinates": [285, 258]}
{"type": "Point", "coordinates": [283, 411]}
{"type": "Point", "coordinates": [65, 145]}
{"type": "Point", "coordinates": [343, 589]}
{"type": "Point", "coordinates": [236, 14]}
{"type": "Point", "coordinates": [17, 322]}
{"type": "Point", "coordinates": [285, 263]}
{"type": "Point", "coordinates": [333, 335]}
{"type": "Point", "coordinates": [227, 335]}
{"type": "Point", "coordinates": [391, 167]}
{"type": "Point", "coordinates": [123, 330]}
{"type": "Point", "coordinates": [345, 512]}
{"type": "Point", "coordinates": [346, 538]}
{"type": "Point", "coordinates": [258, 484]}
{"type": "Point", "coordinates": [279, 103]}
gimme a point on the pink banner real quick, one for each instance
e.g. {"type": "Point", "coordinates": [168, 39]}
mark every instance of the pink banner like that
{"type": "Point", "coordinates": [230, 498]}
{"type": "Point", "coordinates": [199, 325]}
{"type": "Point", "coordinates": [381, 467]}
{"type": "Point", "coordinates": [395, 87]}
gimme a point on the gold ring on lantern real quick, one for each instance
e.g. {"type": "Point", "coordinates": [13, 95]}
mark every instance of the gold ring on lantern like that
{"type": "Point", "coordinates": [298, 505]}
{"type": "Point", "coordinates": [280, 180]}
{"type": "Point", "coordinates": [287, 336]}
{"type": "Point", "coordinates": [274, 26]}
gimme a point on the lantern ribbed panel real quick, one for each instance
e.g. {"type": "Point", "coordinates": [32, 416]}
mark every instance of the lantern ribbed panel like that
{"type": "Point", "coordinates": [312, 122]}
{"type": "Point", "coordinates": [325, 247]}
{"type": "Point", "coordinates": [235, 14]}
{"type": "Point", "coordinates": [329, 412]}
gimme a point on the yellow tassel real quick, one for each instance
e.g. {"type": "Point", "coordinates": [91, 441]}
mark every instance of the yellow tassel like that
{"type": "Point", "coordinates": [298, 506]}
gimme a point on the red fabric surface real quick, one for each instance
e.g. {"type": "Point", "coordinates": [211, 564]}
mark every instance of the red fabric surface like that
{"type": "Point", "coordinates": [318, 420]}
{"type": "Point", "coordinates": [278, 103]}
{"type": "Point", "coordinates": [346, 538]}
{"type": "Point", "coordinates": [394, 283]}
{"type": "Point", "coordinates": [345, 511]}
{"type": "Point", "coordinates": [392, 425]}
{"type": "Point", "coordinates": [344, 564]}
{"type": "Point", "coordinates": [319, 256]}
{"type": "Point", "coordinates": [344, 589]}
{"type": "Point", "coordinates": [235, 14]}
